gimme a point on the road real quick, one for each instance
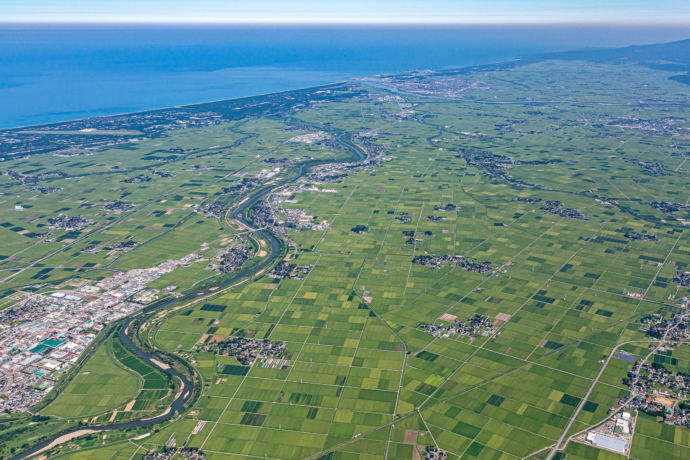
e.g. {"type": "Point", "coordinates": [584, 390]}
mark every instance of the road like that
{"type": "Point", "coordinates": [586, 396]}
{"type": "Point", "coordinates": [660, 342]}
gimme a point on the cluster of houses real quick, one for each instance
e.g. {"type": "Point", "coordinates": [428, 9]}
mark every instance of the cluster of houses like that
{"type": "Point", "coordinates": [434, 453]}
{"type": "Point", "coordinates": [70, 223]}
{"type": "Point", "coordinates": [230, 259]}
{"type": "Point", "coordinates": [213, 210]}
{"type": "Point", "coordinates": [272, 215]}
{"type": "Point", "coordinates": [466, 263]}
{"type": "Point", "coordinates": [655, 389]}
{"type": "Point", "coordinates": [656, 168]}
{"type": "Point", "coordinates": [433, 84]}
{"type": "Point", "coordinates": [242, 186]}
{"type": "Point", "coordinates": [494, 166]}
{"type": "Point", "coordinates": [168, 453]}
{"type": "Point", "coordinates": [246, 350]}
{"type": "Point", "coordinates": [118, 205]}
{"type": "Point", "coordinates": [667, 126]}
{"type": "Point", "coordinates": [476, 326]}
{"type": "Point", "coordinates": [45, 190]}
{"type": "Point", "coordinates": [334, 172]}
{"type": "Point", "coordinates": [667, 206]}
{"type": "Point", "coordinates": [556, 207]}
{"type": "Point", "coordinates": [27, 179]}
{"type": "Point", "coordinates": [682, 278]}
{"type": "Point", "coordinates": [141, 178]}
{"type": "Point", "coordinates": [658, 391]}
{"type": "Point", "coordinates": [674, 327]}
{"type": "Point", "coordinates": [287, 270]}
{"type": "Point", "coordinates": [641, 236]}
{"type": "Point", "coordinates": [403, 217]}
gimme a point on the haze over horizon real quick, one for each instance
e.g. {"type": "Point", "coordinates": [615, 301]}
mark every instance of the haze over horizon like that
{"type": "Point", "coordinates": [631, 12]}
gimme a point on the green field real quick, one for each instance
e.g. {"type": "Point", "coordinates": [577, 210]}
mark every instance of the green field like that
{"type": "Point", "coordinates": [361, 380]}
{"type": "Point", "coordinates": [101, 385]}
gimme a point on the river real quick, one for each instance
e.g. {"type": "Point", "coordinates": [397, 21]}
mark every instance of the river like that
{"type": "Point", "coordinates": [187, 388]}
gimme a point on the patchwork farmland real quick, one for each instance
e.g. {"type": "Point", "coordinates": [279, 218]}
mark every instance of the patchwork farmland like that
{"type": "Point", "coordinates": [479, 284]}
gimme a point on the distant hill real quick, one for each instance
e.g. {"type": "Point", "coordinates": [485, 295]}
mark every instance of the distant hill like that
{"type": "Point", "coordinates": [673, 56]}
{"type": "Point", "coordinates": [673, 53]}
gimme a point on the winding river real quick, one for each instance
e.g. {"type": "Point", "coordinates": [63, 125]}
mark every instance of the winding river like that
{"type": "Point", "coordinates": [187, 388]}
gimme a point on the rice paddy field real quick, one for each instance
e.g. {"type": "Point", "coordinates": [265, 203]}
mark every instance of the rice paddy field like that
{"type": "Point", "coordinates": [101, 384]}
{"type": "Point", "coordinates": [360, 379]}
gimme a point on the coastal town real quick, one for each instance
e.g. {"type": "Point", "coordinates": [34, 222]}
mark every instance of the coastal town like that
{"type": "Point", "coordinates": [427, 82]}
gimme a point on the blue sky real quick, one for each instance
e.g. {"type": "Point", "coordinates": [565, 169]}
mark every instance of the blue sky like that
{"type": "Point", "coordinates": [348, 11]}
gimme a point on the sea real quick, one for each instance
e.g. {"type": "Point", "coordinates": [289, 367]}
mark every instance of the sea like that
{"type": "Point", "coordinates": [51, 73]}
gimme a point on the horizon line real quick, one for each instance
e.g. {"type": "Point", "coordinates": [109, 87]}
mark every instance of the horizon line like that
{"type": "Point", "coordinates": [165, 23]}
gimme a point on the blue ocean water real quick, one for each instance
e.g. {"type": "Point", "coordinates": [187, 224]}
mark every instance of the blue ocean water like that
{"type": "Point", "coordinates": [60, 73]}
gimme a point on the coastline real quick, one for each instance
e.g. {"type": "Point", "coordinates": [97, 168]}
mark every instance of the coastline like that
{"type": "Point", "coordinates": [183, 106]}
{"type": "Point", "coordinates": [593, 54]}
{"type": "Point", "coordinates": [35, 99]}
